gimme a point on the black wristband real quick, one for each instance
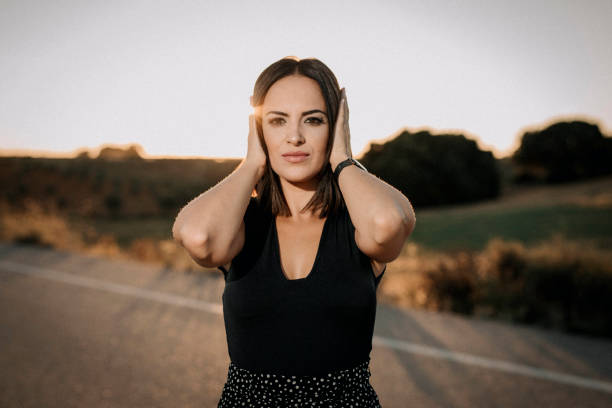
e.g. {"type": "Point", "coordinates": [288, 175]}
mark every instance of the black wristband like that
{"type": "Point", "coordinates": [345, 163]}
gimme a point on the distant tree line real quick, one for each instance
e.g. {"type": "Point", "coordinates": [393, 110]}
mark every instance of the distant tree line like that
{"type": "Point", "coordinates": [447, 169]}
{"type": "Point", "coordinates": [430, 169]}
{"type": "Point", "coordinates": [435, 169]}
{"type": "Point", "coordinates": [562, 152]}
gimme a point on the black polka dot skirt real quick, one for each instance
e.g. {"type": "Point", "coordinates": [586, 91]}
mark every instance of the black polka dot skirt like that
{"type": "Point", "coordinates": [343, 388]}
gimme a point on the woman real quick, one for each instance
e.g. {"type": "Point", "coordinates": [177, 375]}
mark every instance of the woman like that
{"type": "Point", "coordinates": [302, 259]}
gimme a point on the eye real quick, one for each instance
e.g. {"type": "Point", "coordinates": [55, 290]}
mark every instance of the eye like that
{"type": "Point", "coordinates": [316, 121]}
{"type": "Point", "coordinates": [275, 121]}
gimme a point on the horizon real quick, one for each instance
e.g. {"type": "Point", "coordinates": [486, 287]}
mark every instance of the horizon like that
{"type": "Point", "coordinates": [176, 79]}
{"type": "Point", "coordinates": [93, 151]}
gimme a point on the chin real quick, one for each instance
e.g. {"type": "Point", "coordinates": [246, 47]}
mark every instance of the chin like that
{"type": "Point", "coordinates": [297, 175]}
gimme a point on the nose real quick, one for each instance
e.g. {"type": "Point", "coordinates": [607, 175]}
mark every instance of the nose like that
{"type": "Point", "coordinates": [295, 136]}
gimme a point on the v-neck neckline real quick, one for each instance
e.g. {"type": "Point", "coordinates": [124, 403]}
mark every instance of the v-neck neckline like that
{"type": "Point", "coordinates": [279, 264]}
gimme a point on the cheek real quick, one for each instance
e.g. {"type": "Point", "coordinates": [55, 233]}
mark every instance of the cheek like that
{"type": "Point", "coordinates": [322, 138]}
{"type": "Point", "coordinates": [270, 140]}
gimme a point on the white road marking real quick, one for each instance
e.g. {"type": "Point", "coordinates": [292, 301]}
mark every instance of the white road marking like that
{"type": "Point", "coordinates": [112, 287]}
{"type": "Point", "coordinates": [400, 345]}
{"type": "Point", "coordinates": [493, 364]}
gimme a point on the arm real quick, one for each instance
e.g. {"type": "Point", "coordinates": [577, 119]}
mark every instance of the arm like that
{"type": "Point", "coordinates": [211, 226]}
{"type": "Point", "coordinates": [382, 215]}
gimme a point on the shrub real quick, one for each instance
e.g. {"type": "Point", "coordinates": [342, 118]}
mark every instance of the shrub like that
{"type": "Point", "coordinates": [563, 151]}
{"type": "Point", "coordinates": [435, 169]}
{"type": "Point", "coordinates": [560, 284]}
{"type": "Point", "coordinates": [113, 203]}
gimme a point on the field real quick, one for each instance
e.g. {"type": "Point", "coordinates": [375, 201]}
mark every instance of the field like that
{"type": "Point", "coordinates": [537, 254]}
{"type": "Point", "coordinates": [529, 214]}
{"type": "Point", "coordinates": [579, 211]}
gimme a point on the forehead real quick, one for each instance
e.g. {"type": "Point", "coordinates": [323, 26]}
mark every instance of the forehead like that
{"type": "Point", "coordinates": [294, 90]}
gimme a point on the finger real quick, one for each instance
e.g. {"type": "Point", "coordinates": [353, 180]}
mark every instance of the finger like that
{"type": "Point", "coordinates": [257, 110]}
{"type": "Point", "coordinates": [346, 112]}
{"type": "Point", "coordinates": [253, 124]}
{"type": "Point", "coordinates": [341, 107]}
{"type": "Point", "coordinates": [345, 103]}
{"type": "Point", "coordinates": [340, 117]}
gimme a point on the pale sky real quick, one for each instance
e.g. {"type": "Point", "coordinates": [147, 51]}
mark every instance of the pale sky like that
{"type": "Point", "coordinates": [176, 76]}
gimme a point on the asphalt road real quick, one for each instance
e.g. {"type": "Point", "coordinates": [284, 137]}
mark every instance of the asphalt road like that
{"type": "Point", "coordinates": [78, 331]}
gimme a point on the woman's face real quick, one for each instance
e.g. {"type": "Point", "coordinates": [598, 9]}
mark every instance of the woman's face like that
{"type": "Point", "coordinates": [294, 120]}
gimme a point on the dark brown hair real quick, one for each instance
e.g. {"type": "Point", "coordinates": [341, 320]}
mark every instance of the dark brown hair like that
{"type": "Point", "coordinates": [327, 197]}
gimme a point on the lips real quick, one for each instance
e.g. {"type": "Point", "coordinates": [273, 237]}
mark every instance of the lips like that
{"type": "Point", "coordinates": [295, 157]}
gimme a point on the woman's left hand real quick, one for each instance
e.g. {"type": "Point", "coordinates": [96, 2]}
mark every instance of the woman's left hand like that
{"type": "Point", "coordinates": [341, 149]}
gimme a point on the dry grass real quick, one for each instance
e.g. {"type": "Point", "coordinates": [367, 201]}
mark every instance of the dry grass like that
{"type": "Point", "coordinates": [35, 224]}
{"type": "Point", "coordinates": [559, 283]}
{"type": "Point", "coordinates": [408, 279]}
{"type": "Point", "coordinates": [556, 283]}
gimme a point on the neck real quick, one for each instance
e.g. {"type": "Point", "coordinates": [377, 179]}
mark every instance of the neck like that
{"type": "Point", "coordinates": [298, 194]}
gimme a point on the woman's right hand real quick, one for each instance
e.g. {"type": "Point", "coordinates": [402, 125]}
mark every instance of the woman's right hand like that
{"type": "Point", "coordinates": [255, 152]}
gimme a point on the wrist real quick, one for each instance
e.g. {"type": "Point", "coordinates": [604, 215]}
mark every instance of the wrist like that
{"type": "Point", "coordinates": [258, 169]}
{"type": "Point", "coordinates": [334, 162]}
{"type": "Point", "coordinates": [347, 162]}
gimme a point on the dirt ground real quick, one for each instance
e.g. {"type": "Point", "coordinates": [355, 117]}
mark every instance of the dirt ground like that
{"type": "Point", "coordinates": [592, 193]}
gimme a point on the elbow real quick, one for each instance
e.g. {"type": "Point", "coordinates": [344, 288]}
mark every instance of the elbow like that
{"type": "Point", "coordinates": [389, 227]}
{"type": "Point", "coordinates": [176, 233]}
{"type": "Point", "coordinates": [195, 242]}
{"type": "Point", "coordinates": [389, 238]}
{"type": "Point", "coordinates": [177, 228]}
{"type": "Point", "coordinates": [409, 223]}
{"type": "Point", "coordinates": [385, 227]}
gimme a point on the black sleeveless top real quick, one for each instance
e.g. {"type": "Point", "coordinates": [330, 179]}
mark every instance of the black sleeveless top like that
{"type": "Point", "coordinates": [309, 326]}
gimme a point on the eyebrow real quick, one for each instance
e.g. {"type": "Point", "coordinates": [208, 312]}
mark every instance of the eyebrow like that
{"type": "Point", "coordinates": [303, 113]}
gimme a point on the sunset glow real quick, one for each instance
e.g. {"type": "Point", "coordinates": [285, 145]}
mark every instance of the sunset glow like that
{"type": "Point", "coordinates": [177, 80]}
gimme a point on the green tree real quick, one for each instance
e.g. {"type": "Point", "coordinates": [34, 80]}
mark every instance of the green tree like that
{"type": "Point", "coordinates": [435, 169]}
{"type": "Point", "coordinates": [563, 151]}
